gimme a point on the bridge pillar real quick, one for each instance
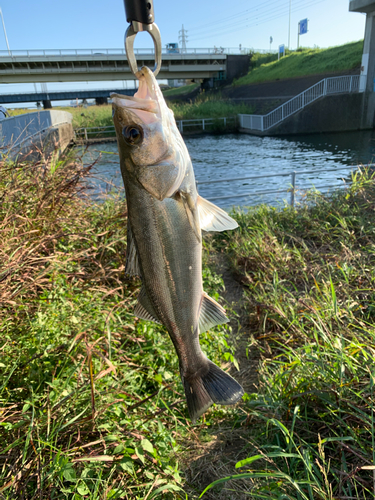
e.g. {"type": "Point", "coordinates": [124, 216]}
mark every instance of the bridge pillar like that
{"type": "Point", "coordinates": [367, 75]}
{"type": "Point", "coordinates": [101, 100]}
{"type": "Point", "coordinates": [47, 104]}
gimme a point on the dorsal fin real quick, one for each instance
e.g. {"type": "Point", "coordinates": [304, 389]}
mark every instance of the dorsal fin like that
{"type": "Point", "coordinates": [211, 314]}
{"type": "Point", "coordinates": [213, 218]}
{"type": "Point", "coordinates": [144, 308]}
{"type": "Point", "coordinates": [132, 264]}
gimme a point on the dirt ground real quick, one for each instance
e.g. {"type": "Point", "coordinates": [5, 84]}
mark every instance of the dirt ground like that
{"type": "Point", "coordinates": [225, 445]}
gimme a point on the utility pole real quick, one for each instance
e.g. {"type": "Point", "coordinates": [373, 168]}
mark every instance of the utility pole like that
{"type": "Point", "coordinates": [290, 14]}
{"type": "Point", "coordinates": [5, 33]}
{"type": "Point", "coordinates": [182, 38]}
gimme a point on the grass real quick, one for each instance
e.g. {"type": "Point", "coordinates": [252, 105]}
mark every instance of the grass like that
{"type": "Point", "coordinates": [304, 62]}
{"type": "Point", "coordinates": [208, 106]}
{"type": "Point", "coordinates": [309, 277]}
{"type": "Point", "coordinates": [180, 91]}
{"type": "Point", "coordinates": [91, 405]}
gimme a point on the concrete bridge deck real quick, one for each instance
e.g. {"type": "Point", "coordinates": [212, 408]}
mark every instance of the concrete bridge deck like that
{"type": "Point", "coordinates": [24, 66]}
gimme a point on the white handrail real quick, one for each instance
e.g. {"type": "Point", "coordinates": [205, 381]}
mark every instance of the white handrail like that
{"type": "Point", "coordinates": [328, 86]}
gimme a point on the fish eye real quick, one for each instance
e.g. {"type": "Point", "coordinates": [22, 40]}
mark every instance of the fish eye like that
{"type": "Point", "coordinates": [132, 135]}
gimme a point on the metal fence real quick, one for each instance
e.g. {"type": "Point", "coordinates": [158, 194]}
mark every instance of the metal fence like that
{"type": "Point", "coordinates": [328, 86]}
{"type": "Point", "coordinates": [86, 133]}
{"type": "Point", "coordinates": [200, 124]}
{"type": "Point", "coordinates": [205, 123]}
{"type": "Point", "coordinates": [292, 189]}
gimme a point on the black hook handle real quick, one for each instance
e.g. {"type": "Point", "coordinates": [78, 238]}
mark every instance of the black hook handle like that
{"type": "Point", "coordinates": [141, 11]}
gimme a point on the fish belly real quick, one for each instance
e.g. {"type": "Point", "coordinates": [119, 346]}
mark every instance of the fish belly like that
{"type": "Point", "coordinates": [170, 258]}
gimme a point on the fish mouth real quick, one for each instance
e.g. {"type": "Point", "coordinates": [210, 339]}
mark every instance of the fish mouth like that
{"type": "Point", "coordinates": [145, 103]}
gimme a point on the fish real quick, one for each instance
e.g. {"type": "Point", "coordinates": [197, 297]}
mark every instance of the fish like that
{"type": "Point", "coordinates": [166, 217]}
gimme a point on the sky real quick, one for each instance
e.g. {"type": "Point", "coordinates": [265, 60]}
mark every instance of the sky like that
{"type": "Point", "coordinates": [95, 24]}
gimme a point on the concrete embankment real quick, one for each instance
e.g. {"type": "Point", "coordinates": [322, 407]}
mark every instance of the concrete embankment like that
{"type": "Point", "coordinates": [35, 134]}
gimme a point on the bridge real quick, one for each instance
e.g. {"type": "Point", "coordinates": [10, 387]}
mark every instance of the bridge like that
{"type": "Point", "coordinates": [30, 66]}
{"type": "Point", "coordinates": [63, 95]}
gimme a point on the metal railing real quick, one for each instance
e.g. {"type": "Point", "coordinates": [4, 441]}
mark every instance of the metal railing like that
{"type": "Point", "coordinates": [328, 86]}
{"type": "Point", "coordinates": [203, 124]}
{"type": "Point", "coordinates": [87, 133]}
{"type": "Point", "coordinates": [114, 52]}
{"type": "Point", "coordinates": [292, 190]}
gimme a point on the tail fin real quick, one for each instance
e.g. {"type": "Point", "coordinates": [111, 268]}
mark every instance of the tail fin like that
{"type": "Point", "coordinates": [213, 386]}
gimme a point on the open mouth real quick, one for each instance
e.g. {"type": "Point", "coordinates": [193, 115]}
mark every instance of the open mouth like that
{"type": "Point", "coordinates": [144, 103]}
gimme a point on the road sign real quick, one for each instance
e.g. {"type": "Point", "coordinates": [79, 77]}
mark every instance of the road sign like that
{"type": "Point", "coordinates": [302, 27]}
{"type": "Point", "coordinates": [281, 51]}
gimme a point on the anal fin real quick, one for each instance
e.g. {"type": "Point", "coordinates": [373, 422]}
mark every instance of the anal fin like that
{"type": "Point", "coordinates": [211, 314]}
{"type": "Point", "coordinates": [144, 308]}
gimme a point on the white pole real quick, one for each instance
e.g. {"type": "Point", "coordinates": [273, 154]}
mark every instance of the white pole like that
{"type": "Point", "coordinates": [5, 33]}
{"type": "Point", "coordinates": [298, 37]}
{"type": "Point", "coordinates": [290, 12]}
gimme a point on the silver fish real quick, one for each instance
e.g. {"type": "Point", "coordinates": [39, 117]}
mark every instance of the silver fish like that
{"type": "Point", "coordinates": [165, 219]}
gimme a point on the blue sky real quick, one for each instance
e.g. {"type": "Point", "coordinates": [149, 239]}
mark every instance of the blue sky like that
{"type": "Point", "coordinates": [70, 24]}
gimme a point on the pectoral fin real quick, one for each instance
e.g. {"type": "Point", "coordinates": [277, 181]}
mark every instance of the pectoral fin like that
{"type": "Point", "coordinates": [192, 214]}
{"type": "Point", "coordinates": [132, 263]}
{"type": "Point", "coordinates": [211, 314]}
{"type": "Point", "coordinates": [144, 308]}
{"type": "Point", "coordinates": [213, 218]}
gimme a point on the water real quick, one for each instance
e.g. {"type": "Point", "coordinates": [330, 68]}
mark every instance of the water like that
{"type": "Point", "coordinates": [240, 155]}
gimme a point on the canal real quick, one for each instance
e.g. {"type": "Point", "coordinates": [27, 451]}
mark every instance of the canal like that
{"type": "Point", "coordinates": [326, 158]}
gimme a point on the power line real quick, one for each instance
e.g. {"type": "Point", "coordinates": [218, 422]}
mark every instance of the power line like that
{"type": "Point", "coordinates": [239, 26]}
{"type": "Point", "coordinates": [229, 18]}
{"type": "Point", "coordinates": [264, 15]}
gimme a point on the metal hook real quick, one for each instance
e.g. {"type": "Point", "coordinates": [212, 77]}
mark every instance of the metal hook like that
{"type": "Point", "coordinates": [130, 34]}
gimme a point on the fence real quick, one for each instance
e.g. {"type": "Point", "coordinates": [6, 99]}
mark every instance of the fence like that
{"type": "Point", "coordinates": [201, 124]}
{"type": "Point", "coordinates": [87, 133]}
{"type": "Point", "coordinates": [328, 86]}
{"type": "Point", "coordinates": [292, 189]}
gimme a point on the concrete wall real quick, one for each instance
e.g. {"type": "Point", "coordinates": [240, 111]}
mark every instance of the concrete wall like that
{"type": "Point", "coordinates": [38, 132]}
{"type": "Point", "coordinates": [339, 113]}
{"type": "Point", "coordinates": [237, 66]}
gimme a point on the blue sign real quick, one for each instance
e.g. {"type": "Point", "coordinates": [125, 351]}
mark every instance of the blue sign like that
{"type": "Point", "coordinates": [281, 50]}
{"type": "Point", "coordinates": [302, 27]}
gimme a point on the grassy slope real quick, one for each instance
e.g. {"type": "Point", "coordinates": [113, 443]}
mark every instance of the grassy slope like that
{"type": "Point", "coordinates": [180, 91]}
{"type": "Point", "coordinates": [309, 280]}
{"type": "Point", "coordinates": [305, 62]}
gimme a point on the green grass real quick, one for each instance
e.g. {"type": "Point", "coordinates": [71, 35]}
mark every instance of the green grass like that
{"type": "Point", "coordinates": [91, 405]}
{"type": "Point", "coordinates": [304, 62]}
{"type": "Point", "coordinates": [180, 91]}
{"type": "Point", "coordinates": [208, 106]}
{"type": "Point", "coordinates": [309, 278]}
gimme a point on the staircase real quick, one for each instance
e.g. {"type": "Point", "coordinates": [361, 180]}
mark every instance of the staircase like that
{"type": "Point", "coordinates": [328, 86]}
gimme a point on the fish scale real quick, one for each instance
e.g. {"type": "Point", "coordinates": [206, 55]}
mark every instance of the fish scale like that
{"type": "Point", "coordinates": [166, 217]}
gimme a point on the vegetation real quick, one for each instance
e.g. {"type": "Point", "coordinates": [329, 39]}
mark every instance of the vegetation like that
{"type": "Point", "coordinates": [180, 91]}
{"type": "Point", "coordinates": [308, 276]}
{"type": "Point", "coordinates": [303, 62]}
{"type": "Point", "coordinates": [91, 405]}
{"type": "Point", "coordinates": [208, 105]}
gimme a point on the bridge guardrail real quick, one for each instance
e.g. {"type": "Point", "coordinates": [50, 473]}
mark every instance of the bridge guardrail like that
{"type": "Point", "coordinates": [327, 86]}
{"type": "Point", "coordinates": [112, 52]}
